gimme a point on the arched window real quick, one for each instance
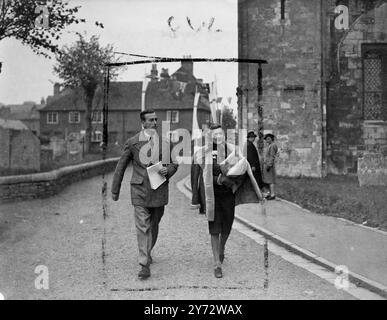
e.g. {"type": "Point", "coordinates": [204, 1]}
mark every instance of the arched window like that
{"type": "Point", "coordinates": [375, 82]}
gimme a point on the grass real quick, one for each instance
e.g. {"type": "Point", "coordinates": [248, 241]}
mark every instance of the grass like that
{"type": "Point", "coordinates": [338, 196]}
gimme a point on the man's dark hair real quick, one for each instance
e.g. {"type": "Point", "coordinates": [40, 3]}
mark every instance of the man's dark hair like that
{"type": "Point", "coordinates": [215, 126]}
{"type": "Point", "coordinates": [143, 113]}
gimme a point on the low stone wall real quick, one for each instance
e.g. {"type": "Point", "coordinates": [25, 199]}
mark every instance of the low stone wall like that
{"type": "Point", "coordinates": [43, 185]}
{"type": "Point", "coordinates": [372, 170]}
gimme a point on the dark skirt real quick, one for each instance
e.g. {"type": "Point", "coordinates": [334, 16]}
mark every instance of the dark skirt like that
{"type": "Point", "coordinates": [224, 213]}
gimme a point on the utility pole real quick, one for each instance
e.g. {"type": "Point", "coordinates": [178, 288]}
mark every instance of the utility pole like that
{"type": "Point", "coordinates": [260, 108]}
{"type": "Point", "coordinates": [105, 112]}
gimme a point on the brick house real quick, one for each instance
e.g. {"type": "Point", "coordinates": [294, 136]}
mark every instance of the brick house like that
{"type": "Point", "coordinates": [28, 113]}
{"type": "Point", "coordinates": [325, 84]}
{"type": "Point", "coordinates": [64, 113]}
{"type": "Point", "coordinates": [172, 97]}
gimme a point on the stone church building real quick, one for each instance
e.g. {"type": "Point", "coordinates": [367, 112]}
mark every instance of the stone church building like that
{"type": "Point", "coordinates": [325, 84]}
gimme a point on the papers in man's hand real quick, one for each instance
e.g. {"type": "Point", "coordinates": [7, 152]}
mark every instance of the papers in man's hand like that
{"type": "Point", "coordinates": [156, 179]}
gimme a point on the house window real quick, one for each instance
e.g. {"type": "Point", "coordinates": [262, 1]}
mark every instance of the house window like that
{"type": "Point", "coordinates": [52, 117]}
{"type": "Point", "coordinates": [375, 82]}
{"type": "Point", "coordinates": [96, 117]}
{"type": "Point", "coordinates": [74, 117]}
{"type": "Point", "coordinates": [96, 136]}
{"type": "Point", "coordinates": [173, 116]}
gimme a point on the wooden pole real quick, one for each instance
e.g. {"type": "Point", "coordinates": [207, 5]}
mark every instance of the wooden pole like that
{"type": "Point", "coordinates": [105, 112]}
{"type": "Point", "coordinates": [260, 109]}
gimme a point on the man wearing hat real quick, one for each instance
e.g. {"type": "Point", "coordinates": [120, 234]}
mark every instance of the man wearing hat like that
{"type": "Point", "coordinates": [270, 154]}
{"type": "Point", "coordinates": [253, 158]}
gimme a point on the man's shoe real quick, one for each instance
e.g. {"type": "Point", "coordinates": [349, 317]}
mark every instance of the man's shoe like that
{"type": "Point", "coordinates": [144, 273]}
{"type": "Point", "coordinates": [221, 258]}
{"type": "Point", "coordinates": [218, 272]}
{"type": "Point", "coordinates": [270, 198]}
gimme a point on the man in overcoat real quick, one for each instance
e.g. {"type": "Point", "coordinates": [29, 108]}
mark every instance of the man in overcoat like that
{"type": "Point", "coordinates": [253, 158]}
{"type": "Point", "coordinates": [144, 150]}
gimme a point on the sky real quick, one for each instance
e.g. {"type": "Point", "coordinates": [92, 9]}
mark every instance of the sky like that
{"type": "Point", "coordinates": [134, 26]}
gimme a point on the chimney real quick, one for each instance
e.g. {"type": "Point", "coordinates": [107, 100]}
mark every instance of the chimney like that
{"type": "Point", "coordinates": [154, 72]}
{"type": "Point", "coordinates": [56, 89]}
{"type": "Point", "coordinates": [164, 73]}
{"type": "Point", "coordinates": [187, 65]}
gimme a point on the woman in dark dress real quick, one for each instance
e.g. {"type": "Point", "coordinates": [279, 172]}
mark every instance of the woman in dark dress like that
{"type": "Point", "coordinates": [253, 158]}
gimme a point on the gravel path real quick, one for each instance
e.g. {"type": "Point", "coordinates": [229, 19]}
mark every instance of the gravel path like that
{"type": "Point", "coordinates": [65, 233]}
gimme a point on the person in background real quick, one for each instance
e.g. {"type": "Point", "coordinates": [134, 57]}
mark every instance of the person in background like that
{"type": "Point", "coordinates": [269, 172]}
{"type": "Point", "coordinates": [198, 198]}
{"type": "Point", "coordinates": [253, 158]}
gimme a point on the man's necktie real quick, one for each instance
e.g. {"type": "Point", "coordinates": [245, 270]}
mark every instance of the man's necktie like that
{"type": "Point", "coordinates": [154, 152]}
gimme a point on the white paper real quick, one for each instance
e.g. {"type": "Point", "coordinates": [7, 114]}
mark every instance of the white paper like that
{"type": "Point", "coordinates": [156, 179]}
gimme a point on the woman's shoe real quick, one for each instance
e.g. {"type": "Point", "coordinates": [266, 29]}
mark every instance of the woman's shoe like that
{"type": "Point", "coordinates": [144, 273]}
{"type": "Point", "coordinates": [218, 272]}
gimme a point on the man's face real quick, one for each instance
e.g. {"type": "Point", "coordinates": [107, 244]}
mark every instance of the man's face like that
{"type": "Point", "coordinates": [150, 121]}
{"type": "Point", "coordinates": [218, 136]}
{"type": "Point", "coordinates": [251, 139]}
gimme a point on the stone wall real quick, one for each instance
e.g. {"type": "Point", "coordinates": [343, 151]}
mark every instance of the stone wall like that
{"type": "Point", "coordinates": [348, 134]}
{"type": "Point", "coordinates": [372, 170]}
{"type": "Point", "coordinates": [289, 39]}
{"type": "Point", "coordinates": [43, 185]}
{"type": "Point", "coordinates": [4, 150]}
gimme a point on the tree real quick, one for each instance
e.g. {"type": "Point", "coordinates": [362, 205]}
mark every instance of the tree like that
{"type": "Point", "coordinates": [81, 66]}
{"type": "Point", "coordinates": [37, 24]}
{"type": "Point", "coordinates": [228, 119]}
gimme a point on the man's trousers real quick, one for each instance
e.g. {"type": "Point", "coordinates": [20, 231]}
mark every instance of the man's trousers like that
{"type": "Point", "coordinates": [147, 227]}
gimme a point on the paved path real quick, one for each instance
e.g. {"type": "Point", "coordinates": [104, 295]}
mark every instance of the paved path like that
{"type": "Point", "coordinates": [327, 241]}
{"type": "Point", "coordinates": [65, 234]}
{"type": "Point", "coordinates": [361, 249]}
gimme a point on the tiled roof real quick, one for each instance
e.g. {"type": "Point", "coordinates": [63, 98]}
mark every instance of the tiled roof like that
{"type": "Point", "coordinates": [167, 94]}
{"type": "Point", "coordinates": [12, 124]}
{"type": "Point", "coordinates": [177, 92]}
{"type": "Point", "coordinates": [123, 95]}
{"type": "Point", "coordinates": [25, 111]}
{"type": "Point", "coordinates": [183, 75]}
